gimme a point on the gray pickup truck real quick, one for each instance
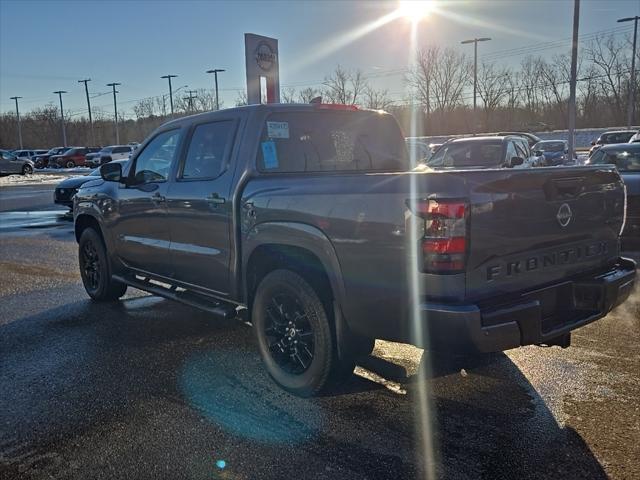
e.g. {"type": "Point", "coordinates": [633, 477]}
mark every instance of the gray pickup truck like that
{"type": "Point", "coordinates": [309, 221]}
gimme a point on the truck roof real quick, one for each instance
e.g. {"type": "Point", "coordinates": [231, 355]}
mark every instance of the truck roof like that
{"type": "Point", "coordinates": [273, 107]}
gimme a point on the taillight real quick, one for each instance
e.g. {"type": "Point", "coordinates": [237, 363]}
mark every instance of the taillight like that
{"type": "Point", "coordinates": [444, 243]}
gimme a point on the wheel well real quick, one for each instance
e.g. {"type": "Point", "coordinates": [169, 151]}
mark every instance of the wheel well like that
{"type": "Point", "coordinates": [86, 221]}
{"type": "Point", "coordinates": [270, 257]}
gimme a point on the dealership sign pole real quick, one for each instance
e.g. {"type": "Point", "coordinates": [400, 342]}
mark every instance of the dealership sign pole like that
{"type": "Point", "coordinates": [263, 69]}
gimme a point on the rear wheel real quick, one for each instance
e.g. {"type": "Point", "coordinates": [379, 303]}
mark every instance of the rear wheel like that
{"type": "Point", "coordinates": [27, 169]}
{"type": "Point", "coordinates": [95, 268]}
{"type": "Point", "coordinates": [71, 164]}
{"type": "Point", "coordinates": [294, 335]}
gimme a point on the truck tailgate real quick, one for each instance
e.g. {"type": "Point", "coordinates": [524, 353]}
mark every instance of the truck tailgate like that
{"type": "Point", "coordinates": [529, 227]}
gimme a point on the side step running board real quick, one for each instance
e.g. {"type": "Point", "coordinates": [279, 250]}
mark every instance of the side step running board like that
{"type": "Point", "coordinates": [220, 309]}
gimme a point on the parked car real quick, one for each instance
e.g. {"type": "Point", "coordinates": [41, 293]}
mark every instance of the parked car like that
{"type": "Point", "coordinates": [608, 138]}
{"type": "Point", "coordinates": [556, 152]}
{"type": "Point", "coordinates": [9, 163]}
{"type": "Point", "coordinates": [29, 154]}
{"type": "Point", "coordinates": [306, 220]}
{"type": "Point", "coordinates": [113, 152]}
{"type": "Point", "coordinates": [531, 138]}
{"type": "Point", "coordinates": [42, 160]}
{"type": "Point", "coordinates": [484, 152]}
{"type": "Point", "coordinates": [626, 157]}
{"type": "Point", "coordinates": [66, 189]}
{"type": "Point", "coordinates": [74, 157]}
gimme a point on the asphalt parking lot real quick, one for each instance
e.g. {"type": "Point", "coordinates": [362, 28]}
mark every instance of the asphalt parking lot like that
{"type": "Point", "coordinates": [145, 388]}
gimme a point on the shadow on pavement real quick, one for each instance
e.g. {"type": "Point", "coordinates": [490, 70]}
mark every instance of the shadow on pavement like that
{"type": "Point", "coordinates": [146, 388]}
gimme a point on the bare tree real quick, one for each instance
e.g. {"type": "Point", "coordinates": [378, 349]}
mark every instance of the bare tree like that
{"type": "Point", "coordinates": [308, 94]}
{"type": "Point", "coordinates": [344, 87]}
{"type": "Point", "coordinates": [241, 98]}
{"type": "Point", "coordinates": [377, 99]}
{"type": "Point", "coordinates": [288, 95]}
{"type": "Point", "coordinates": [493, 85]}
{"type": "Point", "coordinates": [608, 57]}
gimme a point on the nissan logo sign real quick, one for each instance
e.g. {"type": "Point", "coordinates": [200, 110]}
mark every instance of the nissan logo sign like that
{"type": "Point", "coordinates": [265, 58]}
{"type": "Point", "coordinates": [564, 215]}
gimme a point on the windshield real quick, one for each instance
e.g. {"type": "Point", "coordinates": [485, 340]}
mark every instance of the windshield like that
{"type": "Point", "coordinates": [624, 160]}
{"type": "Point", "coordinates": [550, 146]}
{"type": "Point", "coordinates": [330, 141]}
{"type": "Point", "coordinates": [468, 154]}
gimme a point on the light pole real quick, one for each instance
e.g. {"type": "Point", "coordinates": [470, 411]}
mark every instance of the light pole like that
{"type": "Point", "coordinates": [573, 79]}
{"type": "Point", "coordinates": [86, 91]}
{"type": "Point", "coordinates": [190, 99]}
{"type": "Point", "coordinates": [475, 72]}
{"type": "Point", "coordinates": [115, 109]}
{"type": "Point", "coordinates": [64, 132]}
{"type": "Point", "coordinates": [18, 118]}
{"type": "Point", "coordinates": [169, 77]}
{"type": "Point", "coordinates": [215, 72]}
{"type": "Point", "coordinates": [632, 80]}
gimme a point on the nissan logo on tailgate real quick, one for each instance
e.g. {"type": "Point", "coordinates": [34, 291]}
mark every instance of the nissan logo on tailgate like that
{"type": "Point", "coordinates": [564, 215]}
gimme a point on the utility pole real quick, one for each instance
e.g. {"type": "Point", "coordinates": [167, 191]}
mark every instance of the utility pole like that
{"type": "Point", "coordinates": [86, 91]}
{"type": "Point", "coordinates": [64, 133]}
{"type": "Point", "coordinates": [115, 109]}
{"type": "Point", "coordinates": [190, 98]}
{"type": "Point", "coordinates": [19, 125]}
{"type": "Point", "coordinates": [631, 108]}
{"type": "Point", "coordinates": [573, 79]}
{"type": "Point", "coordinates": [169, 77]}
{"type": "Point", "coordinates": [475, 73]}
{"type": "Point", "coordinates": [215, 72]}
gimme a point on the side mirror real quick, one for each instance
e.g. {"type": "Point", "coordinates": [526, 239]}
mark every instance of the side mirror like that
{"type": "Point", "coordinates": [538, 153]}
{"type": "Point", "coordinates": [515, 161]}
{"type": "Point", "coordinates": [593, 143]}
{"type": "Point", "coordinates": [111, 172]}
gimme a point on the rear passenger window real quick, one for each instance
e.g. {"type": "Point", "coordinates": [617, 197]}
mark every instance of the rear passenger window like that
{"type": "Point", "coordinates": [209, 147]}
{"type": "Point", "coordinates": [331, 141]}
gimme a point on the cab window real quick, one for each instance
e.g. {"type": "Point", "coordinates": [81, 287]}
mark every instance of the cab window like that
{"type": "Point", "coordinates": [154, 162]}
{"type": "Point", "coordinates": [208, 150]}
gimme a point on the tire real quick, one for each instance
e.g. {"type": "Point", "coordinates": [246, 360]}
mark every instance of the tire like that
{"type": "Point", "coordinates": [27, 170]}
{"type": "Point", "coordinates": [71, 164]}
{"type": "Point", "coordinates": [286, 313]}
{"type": "Point", "coordinates": [95, 268]}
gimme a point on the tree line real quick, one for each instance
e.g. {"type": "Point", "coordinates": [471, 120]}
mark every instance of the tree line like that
{"type": "Point", "coordinates": [531, 96]}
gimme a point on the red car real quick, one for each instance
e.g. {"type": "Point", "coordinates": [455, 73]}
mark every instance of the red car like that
{"type": "Point", "coordinates": [74, 157]}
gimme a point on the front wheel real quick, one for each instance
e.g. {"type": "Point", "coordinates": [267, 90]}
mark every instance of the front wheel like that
{"type": "Point", "coordinates": [27, 170]}
{"type": "Point", "coordinates": [71, 164]}
{"type": "Point", "coordinates": [293, 333]}
{"type": "Point", "coordinates": [95, 268]}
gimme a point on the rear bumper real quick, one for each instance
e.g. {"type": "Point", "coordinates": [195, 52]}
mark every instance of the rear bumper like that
{"type": "Point", "coordinates": [535, 317]}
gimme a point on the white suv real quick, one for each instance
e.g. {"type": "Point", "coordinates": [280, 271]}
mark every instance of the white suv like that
{"type": "Point", "coordinates": [113, 152]}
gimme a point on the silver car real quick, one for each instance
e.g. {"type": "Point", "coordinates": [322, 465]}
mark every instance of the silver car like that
{"type": "Point", "coordinates": [9, 163]}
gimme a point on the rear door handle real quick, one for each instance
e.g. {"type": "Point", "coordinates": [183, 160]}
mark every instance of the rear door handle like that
{"type": "Point", "coordinates": [215, 199]}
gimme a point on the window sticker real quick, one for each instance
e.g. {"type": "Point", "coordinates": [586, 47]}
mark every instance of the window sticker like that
{"type": "Point", "coordinates": [278, 129]}
{"type": "Point", "coordinates": [269, 155]}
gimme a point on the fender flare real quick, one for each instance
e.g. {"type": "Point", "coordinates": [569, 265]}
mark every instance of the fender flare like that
{"type": "Point", "coordinates": [294, 234]}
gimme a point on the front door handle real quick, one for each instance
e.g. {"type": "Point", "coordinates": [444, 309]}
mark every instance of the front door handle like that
{"type": "Point", "coordinates": [157, 198]}
{"type": "Point", "coordinates": [215, 199]}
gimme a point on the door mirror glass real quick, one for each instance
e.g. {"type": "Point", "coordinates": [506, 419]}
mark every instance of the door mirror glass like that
{"type": "Point", "coordinates": [593, 143]}
{"type": "Point", "coordinates": [111, 172]}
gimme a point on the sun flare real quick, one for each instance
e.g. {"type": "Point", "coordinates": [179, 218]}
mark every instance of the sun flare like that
{"type": "Point", "coordinates": [415, 10]}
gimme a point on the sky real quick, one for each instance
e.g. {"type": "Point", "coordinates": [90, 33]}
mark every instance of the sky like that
{"type": "Point", "coordinates": [48, 45]}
